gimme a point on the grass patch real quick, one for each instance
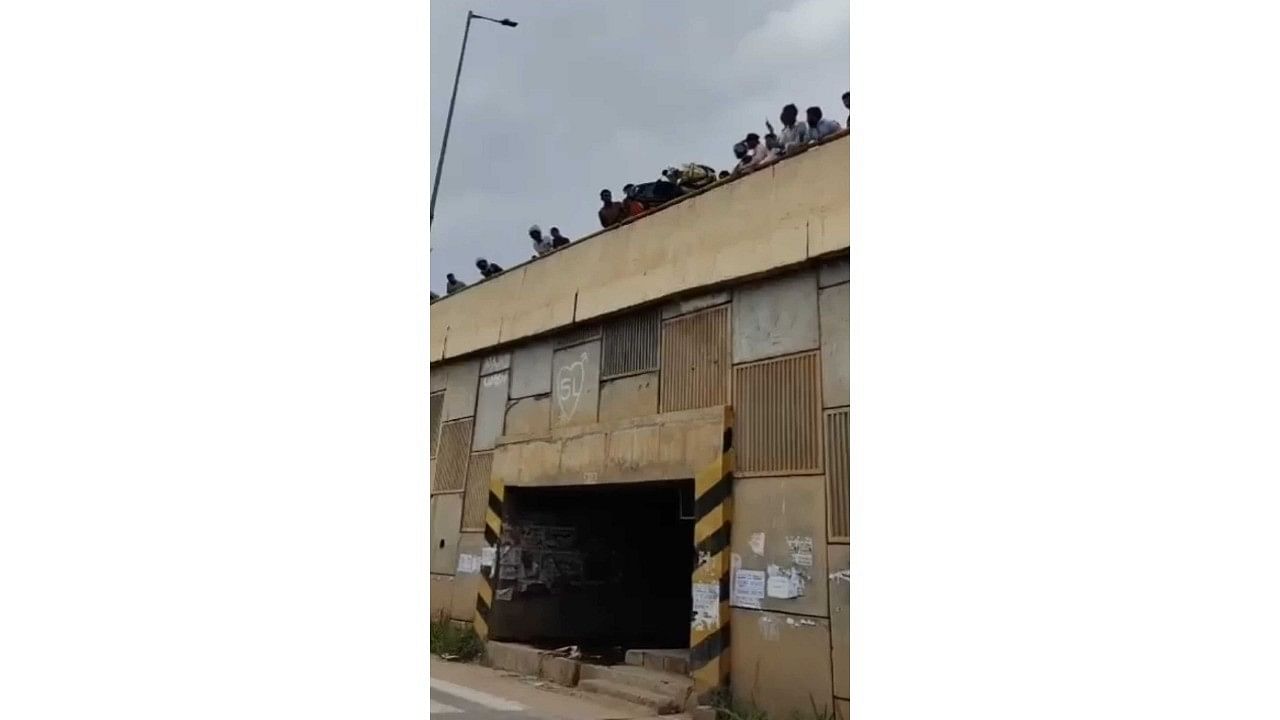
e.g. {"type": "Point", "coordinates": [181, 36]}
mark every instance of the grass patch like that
{"type": "Point", "coordinates": [815, 713]}
{"type": "Point", "coordinates": [454, 641]}
{"type": "Point", "coordinates": [727, 708]}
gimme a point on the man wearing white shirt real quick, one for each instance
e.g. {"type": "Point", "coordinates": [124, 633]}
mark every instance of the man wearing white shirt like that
{"type": "Point", "coordinates": [793, 134]}
{"type": "Point", "coordinates": [761, 154]}
{"type": "Point", "coordinates": [820, 127]}
{"type": "Point", "coordinates": [540, 244]}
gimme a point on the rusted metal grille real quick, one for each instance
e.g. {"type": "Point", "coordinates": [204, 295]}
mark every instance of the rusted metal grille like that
{"type": "Point", "coordinates": [695, 360]}
{"type": "Point", "coordinates": [630, 344]}
{"type": "Point", "coordinates": [837, 422]}
{"type": "Point", "coordinates": [577, 335]}
{"type": "Point", "coordinates": [778, 411]}
{"type": "Point", "coordinates": [451, 459]}
{"type": "Point", "coordinates": [437, 404]}
{"type": "Point", "coordinates": [477, 497]}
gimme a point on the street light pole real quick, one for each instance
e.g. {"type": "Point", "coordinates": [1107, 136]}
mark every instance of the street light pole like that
{"type": "Point", "coordinates": [444, 142]}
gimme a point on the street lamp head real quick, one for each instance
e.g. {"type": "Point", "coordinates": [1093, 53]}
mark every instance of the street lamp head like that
{"type": "Point", "coordinates": [508, 22]}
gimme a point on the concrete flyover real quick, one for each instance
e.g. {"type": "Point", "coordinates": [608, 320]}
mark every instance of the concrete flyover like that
{"type": "Point", "coordinates": [786, 213]}
{"type": "Point", "coordinates": [641, 442]}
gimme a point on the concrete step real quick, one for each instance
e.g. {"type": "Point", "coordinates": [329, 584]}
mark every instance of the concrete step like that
{"type": "Point", "coordinates": [672, 661]}
{"type": "Point", "coordinates": [676, 687]}
{"type": "Point", "coordinates": [659, 703]}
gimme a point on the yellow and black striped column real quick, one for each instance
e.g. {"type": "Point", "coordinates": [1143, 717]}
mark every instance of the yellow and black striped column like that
{"type": "Point", "coordinates": [713, 510]}
{"type": "Point", "coordinates": [492, 536]}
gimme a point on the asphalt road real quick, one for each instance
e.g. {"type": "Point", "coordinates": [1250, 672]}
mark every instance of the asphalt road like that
{"type": "Point", "coordinates": [456, 702]}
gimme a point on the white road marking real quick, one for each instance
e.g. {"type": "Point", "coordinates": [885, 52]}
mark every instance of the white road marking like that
{"type": "Point", "coordinates": [438, 707]}
{"type": "Point", "coordinates": [493, 702]}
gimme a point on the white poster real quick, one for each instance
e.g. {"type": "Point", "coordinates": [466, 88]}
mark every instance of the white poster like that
{"type": "Point", "coordinates": [748, 588]}
{"type": "Point", "coordinates": [784, 584]}
{"type": "Point", "coordinates": [706, 606]}
{"type": "Point", "coordinates": [468, 564]}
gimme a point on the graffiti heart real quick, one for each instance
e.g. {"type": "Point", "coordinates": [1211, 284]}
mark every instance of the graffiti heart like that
{"type": "Point", "coordinates": [570, 380]}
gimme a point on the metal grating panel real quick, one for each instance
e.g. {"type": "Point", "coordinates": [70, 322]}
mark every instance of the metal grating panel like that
{"type": "Point", "coordinates": [576, 336]}
{"type": "Point", "coordinates": [477, 498]}
{"type": "Point", "coordinates": [778, 411]}
{"type": "Point", "coordinates": [451, 459]}
{"type": "Point", "coordinates": [837, 422]}
{"type": "Point", "coordinates": [695, 360]}
{"type": "Point", "coordinates": [437, 405]}
{"type": "Point", "coordinates": [630, 344]}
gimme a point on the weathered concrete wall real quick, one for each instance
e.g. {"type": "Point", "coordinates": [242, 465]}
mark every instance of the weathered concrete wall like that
{"type": "Point", "coordinates": [496, 362]}
{"type": "Point", "coordinates": [461, 384]}
{"type": "Point", "coordinates": [491, 410]}
{"type": "Point", "coordinates": [833, 271]}
{"type": "Point", "coordinates": [694, 303]}
{"type": "Point", "coordinates": [779, 544]}
{"type": "Point", "coordinates": [838, 591]}
{"type": "Point", "coordinates": [446, 519]}
{"type": "Point", "coordinates": [529, 416]}
{"type": "Point", "coordinates": [833, 311]}
{"type": "Point", "coordinates": [531, 369]}
{"type": "Point", "coordinates": [791, 212]}
{"type": "Point", "coordinates": [781, 661]}
{"type": "Point", "coordinates": [629, 397]}
{"type": "Point", "coordinates": [670, 446]}
{"type": "Point", "coordinates": [466, 579]}
{"type": "Point", "coordinates": [441, 590]}
{"type": "Point", "coordinates": [775, 317]}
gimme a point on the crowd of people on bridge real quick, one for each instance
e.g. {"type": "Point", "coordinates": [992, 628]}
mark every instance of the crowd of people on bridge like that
{"type": "Point", "coordinates": [752, 153]}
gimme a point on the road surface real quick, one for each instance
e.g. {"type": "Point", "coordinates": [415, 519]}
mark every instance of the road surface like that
{"type": "Point", "coordinates": [467, 704]}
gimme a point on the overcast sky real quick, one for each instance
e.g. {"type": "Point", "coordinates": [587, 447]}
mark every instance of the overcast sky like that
{"type": "Point", "coordinates": [589, 94]}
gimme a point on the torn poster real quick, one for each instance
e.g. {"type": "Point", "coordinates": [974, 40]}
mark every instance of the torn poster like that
{"type": "Point", "coordinates": [748, 588]}
{"type": "Point", "coordinates": [735, 564]}
{"type": "Point", "coordinates": [800, 544]}
{"type": "Point", "coordinates": [486, 556]}
{"type": "Point", "coordinates": [784, 584]}
{"type": "Point", "coordinates": [757, 543]}
{"type": "Point", "coordinates": [468, 564]}
{"type": "Point", "coordinates": [706, 606]}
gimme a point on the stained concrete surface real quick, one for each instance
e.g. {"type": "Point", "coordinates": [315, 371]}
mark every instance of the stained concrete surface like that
{"type": "Point", "coordinates": [539, 699]}
{"type": "Point", "coordinates": [775, 317]}
{"type": "Point", "coordinates": [833, 311]}
{"type": "Point", "coordinates": [491, 410]}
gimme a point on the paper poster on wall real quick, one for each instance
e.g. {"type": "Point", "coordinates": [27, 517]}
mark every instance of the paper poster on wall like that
{"type": "Point", "coordinates": [748, 588]}
{"type": "Point", "coordinates": [486, 556]}
{"type": "Point", "coordinates": [784, 584]}
{"type": "Point", "coordinates": [757, 543]}
{"type": "Point", "coordinates": [706, 605]}
{"type": "Point", "coordinates": [468, 564]}
{"type": "Point", "coordinates": [800, 544]}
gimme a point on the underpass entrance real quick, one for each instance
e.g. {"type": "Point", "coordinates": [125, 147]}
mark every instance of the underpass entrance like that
{"type": "Point", "coordinates": [604, 567]}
